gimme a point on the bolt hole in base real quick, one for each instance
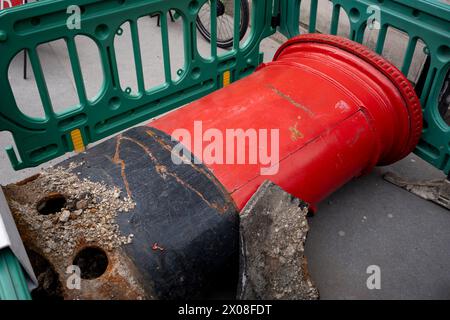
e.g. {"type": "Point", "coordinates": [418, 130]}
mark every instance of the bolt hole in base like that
{"type": "Point", "coordinates": [50, 287]}
{"type": "Point", "coordinates": [51, 204]}
{"type": "Point", "coordinates": [92, 262]}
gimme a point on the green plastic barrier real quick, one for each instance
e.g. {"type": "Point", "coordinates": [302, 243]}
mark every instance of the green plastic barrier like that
{"type": "Point", "coordinates": [13, 285]}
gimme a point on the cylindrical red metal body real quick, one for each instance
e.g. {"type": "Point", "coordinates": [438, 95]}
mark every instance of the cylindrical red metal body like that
{"type": "Point", "coordinates": [340, 109]}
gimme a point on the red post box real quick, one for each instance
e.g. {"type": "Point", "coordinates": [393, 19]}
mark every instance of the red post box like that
{"type": "Point", "coordinates": [339, 109]}
{"type": "Point", "coordinates": [324, 111]}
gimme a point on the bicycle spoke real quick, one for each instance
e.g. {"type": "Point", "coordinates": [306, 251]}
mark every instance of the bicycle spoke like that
{"type": "Point", "coordinates": [225, 23]}
{"type": "Point", "coordinates": [205, 16]}
{"type": "Point", "coordinates": [228, 28]}
{"type": "Point", "coordinates": [230, 25]}
{"type": "Point", "coordinates": [207, 25]}
{"type": "Point", "coordinates": [219, 29]}
{"type": "Point", "coordinates": [225, 29]}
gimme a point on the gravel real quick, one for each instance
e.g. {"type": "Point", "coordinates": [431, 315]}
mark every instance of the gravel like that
{"type": "Point", "coordinates": [86, 218]}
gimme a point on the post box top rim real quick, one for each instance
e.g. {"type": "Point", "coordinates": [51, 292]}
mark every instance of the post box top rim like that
{"type": "Point", "coordinates": [405, 88]}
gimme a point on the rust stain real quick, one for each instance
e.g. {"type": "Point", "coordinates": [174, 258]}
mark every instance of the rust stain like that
{"type": "Point", "coordinates": [169, 148]}
{"type": "Point", "coordinates": [163, 172]}
{"type": "Point", "coordinates": [28, 180]}
{"type": "Point", "coordinates": [295, 133]}
{"type": "Point", "coordinates": [292, 101]}
{"type": "Point", "coordinates": [119, 282]}
{"type": "Point", "coordinates": [117, 160]}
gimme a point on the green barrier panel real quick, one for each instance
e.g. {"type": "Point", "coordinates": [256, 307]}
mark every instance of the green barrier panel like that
{"type": "Point", "coordinates": [26, 27]}
{"type": "Point", "coordinates": [39, 141]}
{"type": "Point", "coordinates": [428, 21]}
{"type": "Point", "coordinates": [13, 285]}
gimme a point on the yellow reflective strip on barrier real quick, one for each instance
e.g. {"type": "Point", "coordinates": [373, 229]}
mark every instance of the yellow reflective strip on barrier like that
{"type": "Point", "coordinates": [226, 78]}
{"type": "Point", "coordinates": [77, 140]}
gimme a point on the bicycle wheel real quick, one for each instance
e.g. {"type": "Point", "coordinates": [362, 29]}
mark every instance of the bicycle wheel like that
{"type": "Point", "coordinates": [225, 22]}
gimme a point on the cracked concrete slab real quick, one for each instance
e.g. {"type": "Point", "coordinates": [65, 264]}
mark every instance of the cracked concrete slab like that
{"type": "Point", "coordinates": [273, 232]}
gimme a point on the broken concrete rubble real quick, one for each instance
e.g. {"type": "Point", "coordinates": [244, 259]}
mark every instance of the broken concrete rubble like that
{"type": "Point", "coordinates": [128, 232]}
{"type": "Point", "coordinates": [61, 216]}
{"type": "Point", "coordinates": [273, 232]}
{"type": "Point", "coordinates": [436, 190]}
{"type": "Point", "coordinates": [64, 223]}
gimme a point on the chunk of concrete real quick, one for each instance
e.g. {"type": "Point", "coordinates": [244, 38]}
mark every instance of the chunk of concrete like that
{"type": "Point", "coordinates": [273, 232]}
